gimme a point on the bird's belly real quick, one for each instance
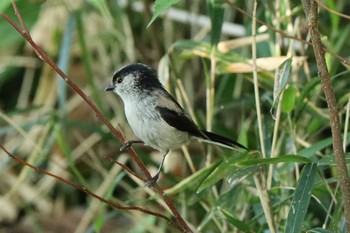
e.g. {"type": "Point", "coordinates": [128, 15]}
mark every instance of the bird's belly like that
{"type": "Point", "coordinates": [154, 131]}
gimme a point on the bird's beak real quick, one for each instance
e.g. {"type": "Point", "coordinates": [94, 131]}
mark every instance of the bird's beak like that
{"type": "Point", "coordinates": [109, 87]}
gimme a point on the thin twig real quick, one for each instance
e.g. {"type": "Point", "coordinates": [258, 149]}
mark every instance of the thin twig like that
{"type": "Point", "coordinates": [332, 11]}
{"type": "Point", "coordinates": [98, 114]}
{"type": "Point", "coordinates": [343, 60]}
{"type": "Point", "coordinates": [259, 179]}
{"type": "Point", "coordinates": [123, 166]}
{"type": "Point", "coordinates": [274, 139]}
{"type": "Point", "coordinates": [256, 86]}
{"type": "Point", "coordinates": [25, 34]}
{"type": "Point", "coordinates": [19, 17]}
{"type": "Point", "coordinates": [85, 190]}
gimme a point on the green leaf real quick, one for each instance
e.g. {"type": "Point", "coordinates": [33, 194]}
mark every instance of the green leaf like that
{"type": "Point", "coordinates": [329, 160]}
{"type": "Point", "coordinates": [288, 100]}
{"type": "Point", "coordinates": [240, 225]}
{"type": "Point", "coordinates": [232, 168]}
{"type": "Point", "coordinates": [314, 148]}
{"type": "Point", "coordinates": [159, 7]}
{"type": "Point", "coordinates": [190, 49]}
{"type": "Point", "coordinates": [319, 230]}
{"type": "Point", "coordinates": [281, 80]}
{"type": "Point", "coordinates": [226, 168]}
{"type": "Point", "coordinates": [209, 216]}
{"type": "Point", "coordinates": [192, 179]}
{"type": "Point", "coordinates": [216, 11]}
{"type": "Point", "coordinates": [301, 199]}
{"type": "Point", "coordinates": [279, 159]}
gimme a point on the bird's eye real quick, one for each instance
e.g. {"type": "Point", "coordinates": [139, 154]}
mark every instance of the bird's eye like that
{"type": "Point", "coordinates": [119, 80]}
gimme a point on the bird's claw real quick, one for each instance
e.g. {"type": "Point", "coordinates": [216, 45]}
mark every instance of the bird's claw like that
{"type": "Point", "coordinates": [150, 183]}
{"type": "Point", "coordinates": [125, 146]}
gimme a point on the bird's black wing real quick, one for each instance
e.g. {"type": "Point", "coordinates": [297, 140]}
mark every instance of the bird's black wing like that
{"type": "Point", "coordinates": [180, 121]}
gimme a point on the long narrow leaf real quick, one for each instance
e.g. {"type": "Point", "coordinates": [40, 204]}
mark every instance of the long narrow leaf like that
{"type": "Point", "coordinates": [301, 199]}
{"type": "Point", "coordinates": [279, 159]}
{"type": "Point", "coordinates": [161, 6]}
{"type": "Point", "coordinates": [216, 11]}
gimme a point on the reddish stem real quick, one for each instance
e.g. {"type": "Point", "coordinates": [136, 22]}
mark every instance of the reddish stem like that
{"type": "Point", "coordinates": [24, 32]}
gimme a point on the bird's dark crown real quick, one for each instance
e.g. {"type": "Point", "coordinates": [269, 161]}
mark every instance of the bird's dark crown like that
{"type": "Point", "coordinates": [146, 76]}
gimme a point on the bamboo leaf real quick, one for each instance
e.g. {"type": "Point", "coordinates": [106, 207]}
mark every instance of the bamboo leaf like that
{"type": "Point", "coordinates": [160, 7]}
{"type": "Point", "coordinates": [216, 11]}
{"type": "Point", "coordinates": [288, 100]}
{"type": "Point", "coordinates": [279, 159]}
{"type": "Point", "coordinates": [301, 199]}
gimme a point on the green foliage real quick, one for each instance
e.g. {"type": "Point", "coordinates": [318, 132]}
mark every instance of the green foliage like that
{"type": "Point", "coordinates": [216, 12]}
{"type": "Point", "coordinates": [301, 199]}
{"type": "Point", "coordinates": [160, 7]}
{"type": "Point", "coordinates": [288, 101]}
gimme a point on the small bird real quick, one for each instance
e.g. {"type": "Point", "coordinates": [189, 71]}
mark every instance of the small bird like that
{"type": "Point", "coordinates": [155, 117]}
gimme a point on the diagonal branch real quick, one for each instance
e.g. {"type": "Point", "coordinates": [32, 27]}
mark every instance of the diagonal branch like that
{"type": "Point", "coordinates": [40, 53]}
{"type": "Point", "coordinates": [85, 190]}
{"type": "Point", "coordinates": [99, 115]}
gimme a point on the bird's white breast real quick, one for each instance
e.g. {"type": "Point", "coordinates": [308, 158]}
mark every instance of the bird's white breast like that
{"type": "Point", "coordinates": [148, 125]}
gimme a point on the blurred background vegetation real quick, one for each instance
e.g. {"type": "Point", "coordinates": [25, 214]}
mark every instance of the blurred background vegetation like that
{"type": "Point", "coordinates": [209, 71]}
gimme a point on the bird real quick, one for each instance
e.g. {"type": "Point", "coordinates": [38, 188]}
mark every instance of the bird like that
{"type": "Point", "coordinates": [154, 115]}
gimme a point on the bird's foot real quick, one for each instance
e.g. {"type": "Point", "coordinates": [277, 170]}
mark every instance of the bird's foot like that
{"type": "Point", "coordinates": [125, 146]}
{"type": "Point", "coordinates": [150, 183]}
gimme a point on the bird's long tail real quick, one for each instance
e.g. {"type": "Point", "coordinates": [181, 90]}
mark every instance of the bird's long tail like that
{"type": "Point", "coordinates": [221, 141]}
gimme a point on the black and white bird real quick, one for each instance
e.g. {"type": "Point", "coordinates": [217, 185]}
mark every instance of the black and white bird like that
{"type": "Point", "coordinates": [155, 117]}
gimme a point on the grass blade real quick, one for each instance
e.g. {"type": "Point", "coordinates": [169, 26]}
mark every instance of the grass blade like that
{"type": "Point", "coordinates": [301, 199]}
